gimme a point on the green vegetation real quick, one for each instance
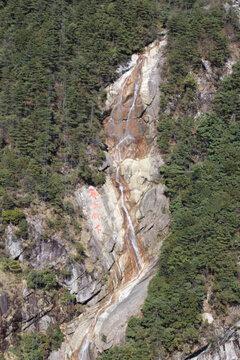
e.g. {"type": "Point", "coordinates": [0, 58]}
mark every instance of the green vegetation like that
{"type": "Point", "coordinates": [43, 279]}
{"type": "Point", "coordinates": [13, 216]}
{"type": "Point", "coordinates": [80, 252]}
{"type": "Point", "coordinates": [11, 265]}
{"type": "Point", "coordinates": [203, 246]}
{"type": "Point", "coordinates": [56, 57]}
{"type": "Point", "coordinates": [22, 229]}
{"type": "Point", "coordinates": [192, 35]}
{"type": "Point", "coordinates": [68, 299]}
{"type": "Point", "coordinates": [202, 180]}
{"type": "Point", "coordinates": [39, 345]}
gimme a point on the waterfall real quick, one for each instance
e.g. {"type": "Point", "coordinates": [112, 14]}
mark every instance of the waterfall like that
{"type": "Point", "coordinates": [136, 88]}
{"type": "Point", "coordinates": [119, 131]}
{"type": "Point", "coordinates": [130, 237]}
{"type": "Point", "coordinates": [83, 354]}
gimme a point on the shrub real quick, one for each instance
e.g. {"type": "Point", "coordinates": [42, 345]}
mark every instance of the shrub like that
{"type": "Point", "coordinates": [68, 299]}
{"type": "Point", "coordinates": [22, 229]}
{"type": "Point", "coordinates": [13, 216]}
{"type": "Point", "coordinates": [12, 265]}
{"type": "Point", "coordinates": [80, 252]}
{"type": "Point", "coordinates": [42, 279]}
{"type": "Point", "coordinates": [39, 346]}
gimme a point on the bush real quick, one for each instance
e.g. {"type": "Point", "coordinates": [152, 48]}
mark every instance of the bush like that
{"type": "Point", "coordinates": [68, 299]}
{"type": "Point", "coordinates": [99, 179]}
{"type": "Point", "coordinates": [39, 346]}
{"type": "Point", "coordinates": [23, 229]}
{"type": "Point", "coordinates": [13, 216]}
{"type": "Point", "coordinates": [12, 265]}
{"type": "Point", "coordinates": [80, 252]}
{"type": "Point", "coordinates": [42, 279]}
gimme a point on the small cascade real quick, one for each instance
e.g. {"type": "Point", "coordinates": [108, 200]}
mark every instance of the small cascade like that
{"type": "Point", "coordinates": [114, 127]}
{"type": "Point", "coordinates": [83, 354]}
{"type": "Point", "coordinates": [136, 90]}
{"type": "Point", "coordinates": [130, 234]}
{"type": "Point", "coordinates": [121, 127]}
{"type": "Point", "coordinates": [131, 237]}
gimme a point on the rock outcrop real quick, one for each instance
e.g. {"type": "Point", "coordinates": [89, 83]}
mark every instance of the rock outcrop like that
{"type": "Point", "coordinates": [124, 220]}
{"type": "Point", "coordinates": [228, 348]}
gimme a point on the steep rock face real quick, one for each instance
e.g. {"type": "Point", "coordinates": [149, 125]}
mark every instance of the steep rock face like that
{"type": "Point", "coordinates": [122, 219]}
{"type": "Point", "coordinates": [12, 244]}
{"type": "Point", "coordinates": [228, 348]}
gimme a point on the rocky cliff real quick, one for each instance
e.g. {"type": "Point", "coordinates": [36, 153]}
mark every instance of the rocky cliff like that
{"type": "Point", "coordinates": [126, 219]}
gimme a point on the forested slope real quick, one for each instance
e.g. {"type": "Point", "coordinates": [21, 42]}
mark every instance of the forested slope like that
{"type": "Point", "coordinates": [199, 259]}
{"type": "Point", "coordinates": [56, 58]}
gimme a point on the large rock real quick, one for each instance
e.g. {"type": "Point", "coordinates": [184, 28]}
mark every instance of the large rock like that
{"type": "Point", "coordinates": [112, 324]}
{"type": "Point", "coordinates": [228, 348]}
{"type": "Point", "coordinates": [140, 175]}
{"type": "Point", "coordinates": [153, 217]}
{"type": "Point", "coordinates": [47, 252]}
{"type": "Point", "coordinates": [12, 244]}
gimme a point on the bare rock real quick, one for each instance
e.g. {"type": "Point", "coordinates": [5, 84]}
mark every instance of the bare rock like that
{"type": "Point", "coordinates": [228, 348]}
{"type": "Point", "coordinates": [3, 303]}
{"type": "Point", "coordinates": [153, 215]}
{"type": "Point", "coordinates": [48, 251]}
{"type": "Point", "coordinates": [12, 244]}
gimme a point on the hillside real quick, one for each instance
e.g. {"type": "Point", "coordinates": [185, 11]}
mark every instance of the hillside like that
{"type": "Point", "coordinates": [119, 179]}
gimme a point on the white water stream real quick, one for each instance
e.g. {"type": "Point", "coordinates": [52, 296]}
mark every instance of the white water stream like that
{"type": "Point", "coordinates": [131, 237]}
{"type": "Point", "coordinates": [130, 233]}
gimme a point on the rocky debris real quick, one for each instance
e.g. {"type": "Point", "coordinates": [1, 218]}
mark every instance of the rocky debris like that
{"type": "Point", "coordinates": [45, 322]}
{"type": "Point", "coordinates": [151, 76]}
{"type": "Point", "coordinates": [108, 163]}
{"type": "Point", "coordinates": [36, 305]}
{"type": "Point", "coordinates": [88, 289]}
{"type": "Point", "coordinates": [140, 175]}
{"type": "Point", "coordinates": [12, 244]}
{"type": "Point", "coordinates": [35, 227]}
{"type": "Point", "coordinates": [56, 355]}
{"type": "Point", "coordinates": [207, 317]}
{"type": "Point", "coordinates": [207, 67]}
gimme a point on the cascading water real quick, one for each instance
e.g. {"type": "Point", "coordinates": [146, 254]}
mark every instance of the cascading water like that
{"type": "Point", "coordinates": [136, 89]}
{"type": "Point", "coordinates": [83, 354]}
{"type": "Point", "coordinates": [121, 135]}
{"type": "Point", "coordinates": [131, 237]}
{"type": "Point", "coordinates": [127, 133]}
